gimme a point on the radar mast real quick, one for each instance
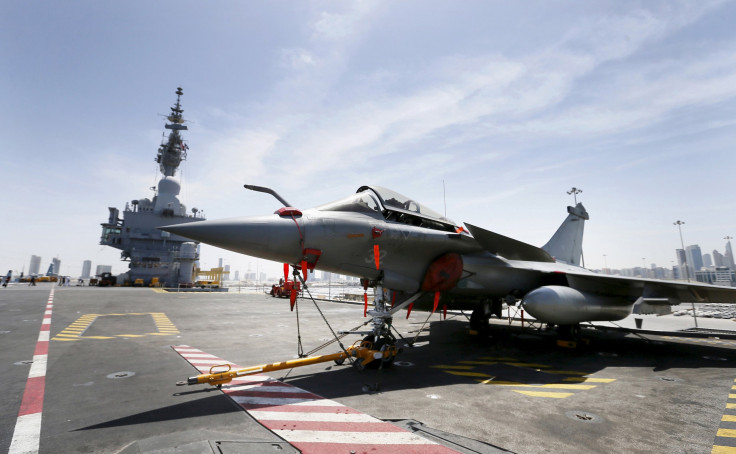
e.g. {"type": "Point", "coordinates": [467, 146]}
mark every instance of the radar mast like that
{"type": "Point", "coordinates": [171, 153]}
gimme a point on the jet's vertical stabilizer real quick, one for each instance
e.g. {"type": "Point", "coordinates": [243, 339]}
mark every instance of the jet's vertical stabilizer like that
{"type": "Point", "coordinates": [566, 245]}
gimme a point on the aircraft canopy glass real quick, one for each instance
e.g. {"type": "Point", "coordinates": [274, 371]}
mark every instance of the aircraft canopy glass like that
{"type": "Point", "coordinates": [392, 206]}
{"type": "Point", "coordinates": [362, 202]}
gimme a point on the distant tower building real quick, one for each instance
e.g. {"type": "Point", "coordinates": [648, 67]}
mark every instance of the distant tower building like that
{"type": "Point", "coordinates": [694, 258]}
{"type": "Point", "coordinates": [57, 265]}
{"type": "Point", "coordinates": [681, 261]}
{"type": "Point", "coordinates": [35, 265]}
{"type": "Point", "coordinates": [707, 262]}
{"type": "Point", "coordinates": [236, 276]}
{"type": "Point", "coordinates": [226, 273]}
{"type": "Point", "coordinates": [219, 263]}
{"type": "Point", "coordinates": [103, 269]}
{"type": "Point", "coordinates": [718, 259]}
{"type": "Point", "coordinates": [86, 269]}
{"type": "Point", "coordinates": [729, 256]}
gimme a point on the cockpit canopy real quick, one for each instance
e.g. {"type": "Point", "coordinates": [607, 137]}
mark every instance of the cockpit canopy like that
{"type": "Point", "coordinates": [392, 206]}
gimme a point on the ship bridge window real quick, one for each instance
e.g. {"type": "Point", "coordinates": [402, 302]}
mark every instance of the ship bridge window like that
{"type": "Point", "coordinates": [362, 202]}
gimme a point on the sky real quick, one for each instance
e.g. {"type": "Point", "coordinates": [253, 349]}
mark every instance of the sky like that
{"type": "Point", "coordinates": [490, 111]}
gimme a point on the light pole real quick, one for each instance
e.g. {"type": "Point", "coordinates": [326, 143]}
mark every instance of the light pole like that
{"type": "Point", "coordinates": [644, 267]}
{"type": "Point", "coordinates": [574, 192]}
{"type": "Point", "coordinates": [605, 263]}
{"type": "Point", "coordinates": [679, 224]}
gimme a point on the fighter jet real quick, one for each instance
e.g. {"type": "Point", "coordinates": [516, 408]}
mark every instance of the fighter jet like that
{"type": "Point", "coordinates": [415, 257]}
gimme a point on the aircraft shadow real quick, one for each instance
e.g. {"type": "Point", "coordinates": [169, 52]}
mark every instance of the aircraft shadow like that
{"type": "Point", "coordinates": [452, 356]}
{"type": "Point", "coordinates": [214, 404]}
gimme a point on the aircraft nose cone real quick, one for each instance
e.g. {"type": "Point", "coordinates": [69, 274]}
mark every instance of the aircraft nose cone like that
{"type": "Point", "coordinates": [268, 237]}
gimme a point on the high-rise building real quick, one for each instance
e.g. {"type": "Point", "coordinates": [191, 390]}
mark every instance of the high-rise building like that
{"type": "Point", "coordinates": [707, 262]}
{"type": "Point", "coordinates": [681, 261]}
{"type": "Point", "coordinates": [35, 266]}
{"type": "Point", "coordinates": [236, 276]}
{"type": "Point", "coordinates": [86, 269]}
{"type": "Point", "coordinates": [729, 256]}
{"type": "Point", "coordinates": [694, 258]}
{"type": "Point", "coordinates": [103, 269]}
{"type": "Point", "coordinates": [55, 266]}
{"type": "Point", "coordinates": [718, 259]}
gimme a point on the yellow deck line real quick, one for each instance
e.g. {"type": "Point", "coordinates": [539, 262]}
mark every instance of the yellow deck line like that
{"type": "Point", "coordinates": [729, 418]}
{"type": "Point", "coordinates": [730, 433]}
{"type": "Point", "coordinates": [544, 394]}
{"type": "Point", "coordinates": [590, 379]}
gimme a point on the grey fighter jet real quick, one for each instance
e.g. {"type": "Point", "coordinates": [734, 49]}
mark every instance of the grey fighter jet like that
{"type": "Point", "coordinates": [416, 257]}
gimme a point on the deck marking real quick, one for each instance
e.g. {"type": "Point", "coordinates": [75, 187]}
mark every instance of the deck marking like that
{"type": "Point", "coordinates": [76, 330]}
{"type": "Point", "coordinates": [309, 422]}
{"type": "Point", "coordinates": [574, 380]}
{"type": "Point", "coordinates": [724, 442]}
{"type": "Point", "coordinates": [27, 432]}
{"type": "Point", "coordinates": [547, 394]}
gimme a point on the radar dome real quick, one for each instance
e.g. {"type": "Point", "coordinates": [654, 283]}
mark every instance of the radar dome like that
{"type": "Point", "coordinates": [169, 185]}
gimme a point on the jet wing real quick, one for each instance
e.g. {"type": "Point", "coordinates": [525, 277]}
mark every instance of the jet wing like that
{"type": "Point", "coordinates": [508, 248]}
{"type": "Point", "coordinates": [653, 290]}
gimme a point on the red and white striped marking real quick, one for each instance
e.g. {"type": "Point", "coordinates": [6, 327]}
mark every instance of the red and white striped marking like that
{"type": "Point", "coordinates": [28, 425]}
{"type": "Point", "coordinates": [310, 422]}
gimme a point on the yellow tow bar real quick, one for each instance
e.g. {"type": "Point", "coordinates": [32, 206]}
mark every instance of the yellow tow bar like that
{"type": "Point", "coordinates": [363, 352]}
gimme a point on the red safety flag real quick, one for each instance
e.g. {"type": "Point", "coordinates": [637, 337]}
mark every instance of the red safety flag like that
{"type": "Point", "coordinates": [393, 299]}
{"type": "Point", "coordinates": [408, 310]}
{"type": "Point", "coordinates": [292, 298]}
{"type": "Point", "coordinates": [436, 301]}
{"type": "Point", "coordinates": [365, 304]}
{"type": "Point", "coordinates": [286, 272]}
{"type": "Point", "coordinates": [377, 256]}
{"type": "Point", "coordinates": [444, 311]}
{"type": "Point", "coordinates": [304, 270]}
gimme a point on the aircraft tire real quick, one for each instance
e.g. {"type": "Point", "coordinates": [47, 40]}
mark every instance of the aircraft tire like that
{"type": "Point", "coordinates": [479, 320]}
{"type": "Point", "coordinates": [376, 363]}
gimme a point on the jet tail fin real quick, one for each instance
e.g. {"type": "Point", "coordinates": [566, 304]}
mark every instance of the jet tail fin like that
{"type": "Point", "coordinates": [566, 245]}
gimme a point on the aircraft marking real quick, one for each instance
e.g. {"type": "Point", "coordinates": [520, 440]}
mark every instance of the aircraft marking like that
{"type": "Point", "coordinates": [76, 330]}
{"type": "Point", "coordinates": [310, 422]}
{"type": "Point", "coordinates": [573, 380]}
{"type": "Point", "coordinates": [27, 431]}
{"type": "Point", "coordinates": [725, 440]}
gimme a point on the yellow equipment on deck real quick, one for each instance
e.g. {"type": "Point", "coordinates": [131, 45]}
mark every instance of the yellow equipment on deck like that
{"type": "Point", "coordinates": [364, 353]}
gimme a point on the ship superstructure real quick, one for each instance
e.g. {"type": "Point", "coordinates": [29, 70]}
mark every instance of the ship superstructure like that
{"type": "Point", "coordinates": [156, 256]}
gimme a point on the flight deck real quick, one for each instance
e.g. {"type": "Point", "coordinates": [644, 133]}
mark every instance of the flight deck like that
{"type": "Point", "coordinates": [104, 379]}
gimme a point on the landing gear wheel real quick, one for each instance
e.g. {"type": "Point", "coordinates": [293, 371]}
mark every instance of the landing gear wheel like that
{"type": "Point", "coordinates": [569, 332]}
{"type": "Point", "coordinates": [340, 362]}
{"type": "Point", "coordinates": [479, 320]}
{"type": "Point", "coordinates": [380, 345]}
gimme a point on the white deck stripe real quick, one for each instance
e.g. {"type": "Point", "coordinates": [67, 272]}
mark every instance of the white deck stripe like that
{"type": "Point", "coordinates": [199, 355]}
{"type": "Point", "coordinates": [373, 438]}
{"type": "Point", "coordinates": [266, 388]}
{"type": "Point", "coordinates": [248, 400]}
{"type": "Point", "coordinates": [38, 367]}
{"type": "Point", "coordinates": [26, 435]}
{"type": "Point", "coordinates": [313, 417]}
{"type": "Point", "coordinates": [43, 336]}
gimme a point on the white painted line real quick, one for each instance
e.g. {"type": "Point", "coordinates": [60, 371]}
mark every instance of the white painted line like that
{"type": "Point", "coordinates": [43, 336]}
{"type": "Point", "coordinates": [266, 388]}
{"type": "Point", "coordinates": [26, 435]}
{"type": "Point", "coordinates": [38, 368]}
{"type": "Point", "coordinates": [373, 438]}
{"type": "Point", "coordinates": [248, 400]}
{"type": "Point", "coordinates": [313, 417]}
